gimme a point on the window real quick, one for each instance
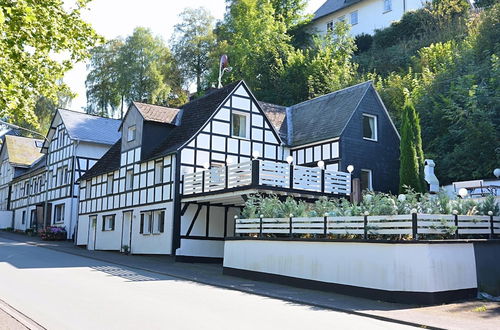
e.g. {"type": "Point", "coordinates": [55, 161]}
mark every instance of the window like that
{"type": "Point", "coordinates": [23, 219]}
{"type": "Point", "coordinates": [129, 180]}
{"type": "Point", "coordinates": [109, 184]}
{"type": "Point", "coordinates": [33, 218]}
{"type": "Point", "coordinates": [341, 19]}
{"type": "Point", "coordinates": [108, 222]}
{"type": "Point", "coordinates": [158, 222]}
{"type": "Point", "coordinates": [26, 188]}
{"type": "Point", "coordinates": [59, 213]}
{"type": "Point", "coordinates": [131, 133]}
{"type": "Point", "coordinates": [329, 26]}
{"type": "Point", "coordinates": [366, 180]}
{"type": "Point", "coordinates": [146, 223]}
{"type": "Point", "coordinates": [370, 127]}
{"type": "Point", "coordinates": [39, 144]}
{"type": "Point", "coordinates": [387, 5]}
{"type": "Point", "coordinates": [354, 17]}
{"type": "Point", "coordinates": [158, 172]}
{"type": "Point", "coordinates": [59, 178]}
{"type": "Point", "coordinates": [88, 189]}
{"type": "Point", "coordinates": [239, 125]}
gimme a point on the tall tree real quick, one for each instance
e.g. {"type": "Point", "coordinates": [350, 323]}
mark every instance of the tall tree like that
{"type": "Point", "coordinates": [104, 96]}
{"type": "Point", "coordinates": [31, 32]}
{"type": "Point", "coordinates": [291, 12]}
{"type": "Point", "coordinates": [192, 42]}
{"type": "Point", "coordinates": [141, 68]}
{"type": "Point", "coordinates": [409, 171]}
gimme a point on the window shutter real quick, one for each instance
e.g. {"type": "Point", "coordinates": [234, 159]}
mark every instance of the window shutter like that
{"type": "Point", "coordinates": [161, 224]}
{"type": "Point", "coordinates": [141, 229]}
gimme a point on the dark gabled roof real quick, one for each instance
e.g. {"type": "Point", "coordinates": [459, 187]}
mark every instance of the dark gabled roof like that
{"type": "Point", "coordinates": [277, 116]}
{"type": "Point", "coordinates": [156, 113]}
{"type": "Point", "coordinates": [89, 128]}
{"type": "Point", "coordinates": [193, 116]}
{"type": "Point", "coordinates": [109, 162]}
{"type": "Point", "coordinates": [331, 6]}
{"type": "Point", "coordinates": [325, 117]}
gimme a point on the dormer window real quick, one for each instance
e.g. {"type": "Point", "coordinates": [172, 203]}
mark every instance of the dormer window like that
{"type": "Point", "coordinates": [239, 125]}
{"type": "Point", "coordinates": [369, 127]}
{"type": "Point", "coordinates": [131, 133]}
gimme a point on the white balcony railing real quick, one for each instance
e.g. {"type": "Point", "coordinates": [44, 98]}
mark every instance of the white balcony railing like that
{"type": "Point", "coordinates": [260, 173]}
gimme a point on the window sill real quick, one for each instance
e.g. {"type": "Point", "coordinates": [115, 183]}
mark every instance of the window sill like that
{"type": "Point", "coordinates": [386, 11]}
{"type": "Point", "coordinates": [240, 138]}
{"type": "Point", "coordinates": [368, 139]}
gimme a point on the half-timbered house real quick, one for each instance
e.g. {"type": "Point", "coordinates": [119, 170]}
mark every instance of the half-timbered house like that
{"type": "Point", "coordinates": [177, 178]}
{"type": "Point", "coordinates": [47, 194]}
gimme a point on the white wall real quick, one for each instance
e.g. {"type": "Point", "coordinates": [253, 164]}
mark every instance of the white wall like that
{"type": "Point", "coordinates": [394, 267]}
{"type": "Point", "coordinates": [5, 219]}
{"type": "Point", "coordinates": [141, 243]}
{"type": "Point", "coordinates": [371, 15]}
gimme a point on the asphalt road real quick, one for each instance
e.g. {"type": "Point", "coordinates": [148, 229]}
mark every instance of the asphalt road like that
{"type": "Point", "coordinates": [63, 291]}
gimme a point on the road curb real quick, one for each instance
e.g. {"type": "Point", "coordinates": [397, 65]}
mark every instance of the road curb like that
{"type": "Point", "coordinates": [234, 288]}
{"type": "Point", "coordinates": [20, 317]}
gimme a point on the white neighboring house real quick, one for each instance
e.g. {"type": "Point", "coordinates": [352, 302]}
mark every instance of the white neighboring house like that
{"type": "Point", "coordinates": [47, 194]}
{"type": "Point", "coordinates": [364, 16]}
{"type": "Point", "coordinates": [17, 156]}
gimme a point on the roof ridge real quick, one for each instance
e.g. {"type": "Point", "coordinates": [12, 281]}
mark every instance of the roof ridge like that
{"type": "Point", "coordinates": [86, 114]}
{"type": "Point", "coordinates": [155, 105]}
{"type": "Point", "coordinates": [330, 94]}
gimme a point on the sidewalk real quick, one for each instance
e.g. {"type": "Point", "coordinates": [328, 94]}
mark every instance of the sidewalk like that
{"type": "Point", "coordinates": [465, 315]}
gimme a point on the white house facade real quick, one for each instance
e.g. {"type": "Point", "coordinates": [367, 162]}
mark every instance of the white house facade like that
{"type": "Point", "coordinates": [177, 178]}
{"type": "Point", "coordinates": [364, 16]}
{"type": "Point", "coordinates": [47, 193]}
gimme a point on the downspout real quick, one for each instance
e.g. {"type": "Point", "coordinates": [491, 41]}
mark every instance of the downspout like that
{"type": "Point", "coordinates": [75, 144]}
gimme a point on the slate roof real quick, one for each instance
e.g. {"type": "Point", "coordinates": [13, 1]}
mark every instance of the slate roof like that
{"type": "Point", "coordinates": [194, 114]}
{"type": "Point", "coordinates": [331, 6]}
{"type": "Point", "coordinates": [89, 128]}
{"type": "Point", "coordinates": [326, 116]}
{"type": "Point", "coordinates": [110, 161]}
{"type": "Point", "coordinates": [23, 151]}
{"type": "Point", "coordinates": [277, 116]}
{"type": "Point", "coordinates": [156, 113]}
{"type": "Point", "coordinates": [36, 167]}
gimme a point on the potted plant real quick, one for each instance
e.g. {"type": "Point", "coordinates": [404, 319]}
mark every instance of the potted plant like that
{"type": "Point", "coordinates": [126, 249]}
{"type": "Point", "coordinates": [53, 233]}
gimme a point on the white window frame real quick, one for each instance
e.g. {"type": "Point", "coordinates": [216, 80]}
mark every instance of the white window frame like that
{"type": "Point", "coordinates": [370, 178]}
{"type": "Point", "coordinates": [131, 133]}
{"type": "Point", "coordinates": [129, 180]}
{"type": "Point", "coordinates": [247, 124]}
{"type": "Point", "coordinates": [158, 218]}
{"type": "Point", "coordinates": [356, 15]}
{"type": "Point", "coordinates": [146, 222]}
{"type": "Point", "coordinates": [88, 189]}
{"type": "Point", "coordinates": [158, 172]}
{"type": "Point", "coordinates": [60, 218]}
{"type": "Point", "coordinates": [375, 131]}
{"type": "Point", "coordinates": [109, 184]}
{"type": "Point", "coordinates": [387, 6]}
{"type": "Point", "coordinates": [341, 18]}
{"type": "Point", "coordinates": [108, 222]}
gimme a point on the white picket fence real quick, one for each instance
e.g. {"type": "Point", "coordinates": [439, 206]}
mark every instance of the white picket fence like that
{"type": "Point", "coordinates": [270, 174]}
{"type": "Point", "coordinates": [427, 224]}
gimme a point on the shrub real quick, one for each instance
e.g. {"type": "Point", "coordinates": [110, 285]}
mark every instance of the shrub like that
{"type": "Point", "coordinates": [363, 42]}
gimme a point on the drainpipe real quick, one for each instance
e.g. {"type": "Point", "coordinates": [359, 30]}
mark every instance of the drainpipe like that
{"type": "Point", "coordinates": [72, 187]}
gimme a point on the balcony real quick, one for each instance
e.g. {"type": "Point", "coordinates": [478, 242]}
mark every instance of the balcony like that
{"type": "Point", "coordinates": [267, 177]}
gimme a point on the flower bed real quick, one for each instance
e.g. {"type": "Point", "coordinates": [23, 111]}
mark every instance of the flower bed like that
{"type": "Point", "coordinates": [53, 233]}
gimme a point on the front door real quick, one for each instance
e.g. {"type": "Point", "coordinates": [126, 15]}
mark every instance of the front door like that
{"type": "Point", "coordinates": [40, 216]}
{"type": "Point", "coordinates": [92, 232]}
{"type": "Point", "coordinates": [126, 231]}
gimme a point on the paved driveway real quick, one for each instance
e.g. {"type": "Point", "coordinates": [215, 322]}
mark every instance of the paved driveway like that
{"type": "Point", "coordinates": [63, 291]}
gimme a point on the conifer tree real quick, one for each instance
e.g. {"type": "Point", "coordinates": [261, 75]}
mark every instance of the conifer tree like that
{"type": "Point", "coordinates": [409, 172]}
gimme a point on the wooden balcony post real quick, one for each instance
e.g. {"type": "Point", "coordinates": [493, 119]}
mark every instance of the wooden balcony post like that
{"type": "Point", "coordinates": [325, 224]}
{"type": "Point", "coordinates": [291, 225]}
{"type": "Point", "coordinates": [322, 180]}
{"type": "Point", "coordinates": [365, 226]}
{"type": "Point", "coordinates": [260, 226]}
{"type": "Point", "coordinates": [226, 177]}
{"type": "Point", "coordinates": [455, 215]}
{"type": "Point", "coordinates": [202, 181]}
{"type": "Point", "coordinates": [290, 184]}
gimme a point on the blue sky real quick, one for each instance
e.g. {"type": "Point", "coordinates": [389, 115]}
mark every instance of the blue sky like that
{"type": "Point", "coordinates": [113, 18]}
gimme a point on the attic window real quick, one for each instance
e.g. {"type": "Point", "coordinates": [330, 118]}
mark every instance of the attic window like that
{"type": "Point", "coordinates": [239, 125]}
{"type": "Point", "coordinates": [329, 26]}
{"type": "Point", "coordinates": [369, 127]}
{"type": "Point", "coordinates": [131, 133]}
{"type": "Point", "coordinates": [38, 144]}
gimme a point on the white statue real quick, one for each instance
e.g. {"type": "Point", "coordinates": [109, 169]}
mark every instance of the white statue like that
{"type": "Point", "coordinates": [430, 177]}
